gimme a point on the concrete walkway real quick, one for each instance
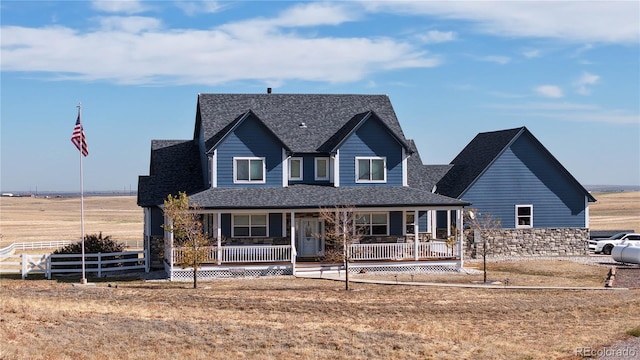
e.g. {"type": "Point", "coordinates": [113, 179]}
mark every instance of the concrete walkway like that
{"type": "Point", "coordinates": [340, 277]}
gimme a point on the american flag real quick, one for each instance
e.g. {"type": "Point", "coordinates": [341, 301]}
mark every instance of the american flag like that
{"type": "Point", "coordinates": [78, 139]}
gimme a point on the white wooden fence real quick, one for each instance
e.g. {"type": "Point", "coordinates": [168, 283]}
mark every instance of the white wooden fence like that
{"type": "Point", "coordinates": [242, 254]}
{"type": "Point", "coordinates": [402, 251]}
{"type": "Point", "coordinates": [99, 263]}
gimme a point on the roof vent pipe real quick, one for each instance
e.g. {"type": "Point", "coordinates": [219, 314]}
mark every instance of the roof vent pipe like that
{"type": "Point", "coordinates": [268, 90]}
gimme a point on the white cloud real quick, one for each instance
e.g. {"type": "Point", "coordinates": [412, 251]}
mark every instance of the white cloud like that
{"type": "Point", "coordinates": [129, 24]}
{"type": "Point", "coordinates": [572, 21]}
{"type": "Point", "coordinates": [119, 6]}
{"type": "Point", "coordinates": [565, 111]}
{"type": "Point", "coordinates": [136, 50]}
{"type": "Point", "coordinates": [435, 36]}
{"type": "Point", "coordinates": [583, 83]}
{"type": "Point", "coordinates": [550, 91]}
{"type": "Point", "coordinates": [530, 54]}
{"type": "Point", "coordinates": [498, 59]}
{"type": "Point", "coordinates": [191, 8]}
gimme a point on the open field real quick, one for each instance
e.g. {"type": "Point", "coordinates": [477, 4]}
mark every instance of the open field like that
{"type": "Point", "coordinates": [616, 211]}
{"type": "Point", "coordinates": [41, 219]}
{"type": "Point", "coordinates": [24, 219]}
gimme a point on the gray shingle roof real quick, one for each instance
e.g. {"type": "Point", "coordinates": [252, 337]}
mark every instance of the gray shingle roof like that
{"type": "Point", "coordinates": [175, 166]}
{"type": "Point", "coordinates": [317, 196]}
{"type": "Point", "coordinates": [323, 115]}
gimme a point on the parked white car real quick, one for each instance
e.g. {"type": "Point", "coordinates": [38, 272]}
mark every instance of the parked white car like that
{"type": "Point", "coordinates": [606, 245]}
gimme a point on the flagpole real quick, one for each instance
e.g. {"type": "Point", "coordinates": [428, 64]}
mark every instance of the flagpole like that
{"type": "Point", "coordinates": [84, 278]}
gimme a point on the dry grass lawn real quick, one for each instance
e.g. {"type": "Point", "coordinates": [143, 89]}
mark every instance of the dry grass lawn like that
{"type": "Point", "coordinates": [616, 211]}
{"type": "Point", "coordinates": [304, 319]}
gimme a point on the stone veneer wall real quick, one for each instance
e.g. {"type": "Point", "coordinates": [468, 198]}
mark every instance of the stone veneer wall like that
{"type": "Point", "coordinates": [528, 242]}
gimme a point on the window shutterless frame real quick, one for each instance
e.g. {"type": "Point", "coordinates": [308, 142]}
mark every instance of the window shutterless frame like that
{"type": "Point", "coordinates": [247, 170]}
{"type": "Point", "coordinates": [295, 169]}
{"type": "Point", "coordinates": [371, 169]}
{"type": "Point", "coordinates": [524, 216]}
{"type": "Point", "coordinates": [321, 169]}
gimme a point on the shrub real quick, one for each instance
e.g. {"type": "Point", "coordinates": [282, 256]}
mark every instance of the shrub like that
{"type": "Point", "coordinates": [93, 244]}
{"type": "Point", "coordinates": [634, 332]}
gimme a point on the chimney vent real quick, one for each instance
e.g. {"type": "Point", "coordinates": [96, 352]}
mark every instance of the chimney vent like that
{"type": "Point", "coordinates": [268, 90]}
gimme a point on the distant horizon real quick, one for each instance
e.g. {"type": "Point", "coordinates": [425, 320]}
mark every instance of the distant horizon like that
{"type": "Point", "coordinates": [122, 192]}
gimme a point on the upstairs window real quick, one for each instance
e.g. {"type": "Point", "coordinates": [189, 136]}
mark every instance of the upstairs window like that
{"type": "Point", "coordinates": [322, 169]}
{"type": "Point", "coordinates": [524, 216]}
{"type": "Point", "coordinates": [372, 224]}
{"type": "Point", "coordinates": [295, 169]}
{"type": "Point", "coordinates": [248, 170]}
{"type": "Point", "coordinates": [249, 225]}
{"type": "Point", "coordinates": [371, 169]}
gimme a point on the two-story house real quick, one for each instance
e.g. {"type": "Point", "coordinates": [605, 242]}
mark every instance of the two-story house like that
{"type": "Point", "coordinates": [260, 167]}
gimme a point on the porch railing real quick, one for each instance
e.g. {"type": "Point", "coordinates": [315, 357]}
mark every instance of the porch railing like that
{"type": "Point", "coordinates": [402, 251]}
{"type": "Point", "coordinates": [242, 254]}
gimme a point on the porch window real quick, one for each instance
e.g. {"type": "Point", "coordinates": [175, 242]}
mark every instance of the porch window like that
{"type": "Point", "coordinates": [409, 223]}
{"type": "Point", "coordinates": [371, 169]}
{"type": "Point", "coordinates": [372, 224]}
{"type": "Point", "coordinates": [295, 169]}
{"type": "Point", "coordinates": [249, 225]}
{"type": "Point", "coordinates": [248, 170]}
{"type": "Point", "coordinates": [322, 168]}
{"type": "Point", "coordinates": [524, 216]}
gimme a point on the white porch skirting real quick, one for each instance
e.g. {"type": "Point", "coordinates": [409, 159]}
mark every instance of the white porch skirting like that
{"type": "Point", "coordinates": [276, 270]}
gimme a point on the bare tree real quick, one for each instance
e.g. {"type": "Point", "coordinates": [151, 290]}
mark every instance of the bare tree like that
{"type": "Point", "coordinates": [481, 224]}
{"type": "Point", "coordinates": [341, 230]}
{"type": "Point", "coordinates": [186, 227]}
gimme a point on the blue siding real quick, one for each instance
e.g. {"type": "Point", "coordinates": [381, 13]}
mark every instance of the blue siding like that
{"type": "Point", "coordinates": [422, 221]}
{"type": "Point", "coordinates": [308, 169]}
{"type": "Point", "coordinates": [250, 139]}
{"type": "Point", "coordinates": [524, 175]}
{"type": "Point", "coordinates": [157, 221]}
{"type": "Point", "coordinates": [275, 224]}
{"type": "Point", "coordinates": [225, 219]}
{"type": "Point", "coordinates": [371, 139]}
{"type": "Point", "coordinates": [395, 223]}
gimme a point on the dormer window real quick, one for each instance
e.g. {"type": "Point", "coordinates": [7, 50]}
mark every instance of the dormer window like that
{"type": "Point", "coordinates": [371, 170]}
{"type": "Point", "coordinates": [322, 168]}
{"type": "Point", "coordinates": [295, 169]}
{"type": "Point", "coordinates": [249, 170]}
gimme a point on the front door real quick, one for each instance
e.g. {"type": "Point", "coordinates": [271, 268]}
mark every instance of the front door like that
{"type": "Point", "coordinates": [310, 233]}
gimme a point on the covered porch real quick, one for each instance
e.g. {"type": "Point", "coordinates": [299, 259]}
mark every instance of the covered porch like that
{"type": "Point", "coordinates": [274, 243]}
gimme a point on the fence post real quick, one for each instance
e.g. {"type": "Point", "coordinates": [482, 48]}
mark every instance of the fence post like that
{"type": "Point", "coordinates": [99, 264]}
{"type": "Point", "coordinates": [48, 271]}
{"type": "Point", "coordinates": [23, 263]}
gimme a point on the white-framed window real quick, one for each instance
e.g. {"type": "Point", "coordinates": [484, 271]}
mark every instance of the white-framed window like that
{"type": "Point", "coordinates": [524, 216]}
{"type": "Point", "coordinates": [254, 225]}
{"type": "Point", "coordinates": [409, 222]}
{"type": "Point", "coordinates": [371, 169]}
{"type": "Point", "coordinates": [322, 168]}
{"type": "Point", "coordinates": [372, 223]}
{"type": "Point", "coordinates": [295, 168]}
{"type": "Point", "coordinates": [249, 170]}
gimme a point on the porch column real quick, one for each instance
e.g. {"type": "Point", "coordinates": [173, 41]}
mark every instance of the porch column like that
{"type": "Point", "coordinates": [434, 223]}
{"type": "Point", "coordinates": [416, 238]}
{"type": "Point", "coordinates": [448, 223]}
{"type": "Point", "coordinates": [460, 227]}
{"type": "Point", "coordinates": [168, 237]}
{"type": "Point", "coordinates": [219, 237]}
{"type": "Point", "coordinates": [293, 242]}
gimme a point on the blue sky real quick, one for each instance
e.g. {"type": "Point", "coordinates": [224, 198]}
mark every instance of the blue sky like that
{"type": "Point", "coordinates": [568, 71]}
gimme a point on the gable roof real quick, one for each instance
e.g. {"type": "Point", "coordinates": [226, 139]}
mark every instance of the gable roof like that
{"type": "Point", "coordinates": [483, 151]}
{"type": "Point", "coordinates": [215, 140]}
{"type": "Point", "coordinates": [323, 115]}
{"type": "Point", "coordinates": [352, 126]}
